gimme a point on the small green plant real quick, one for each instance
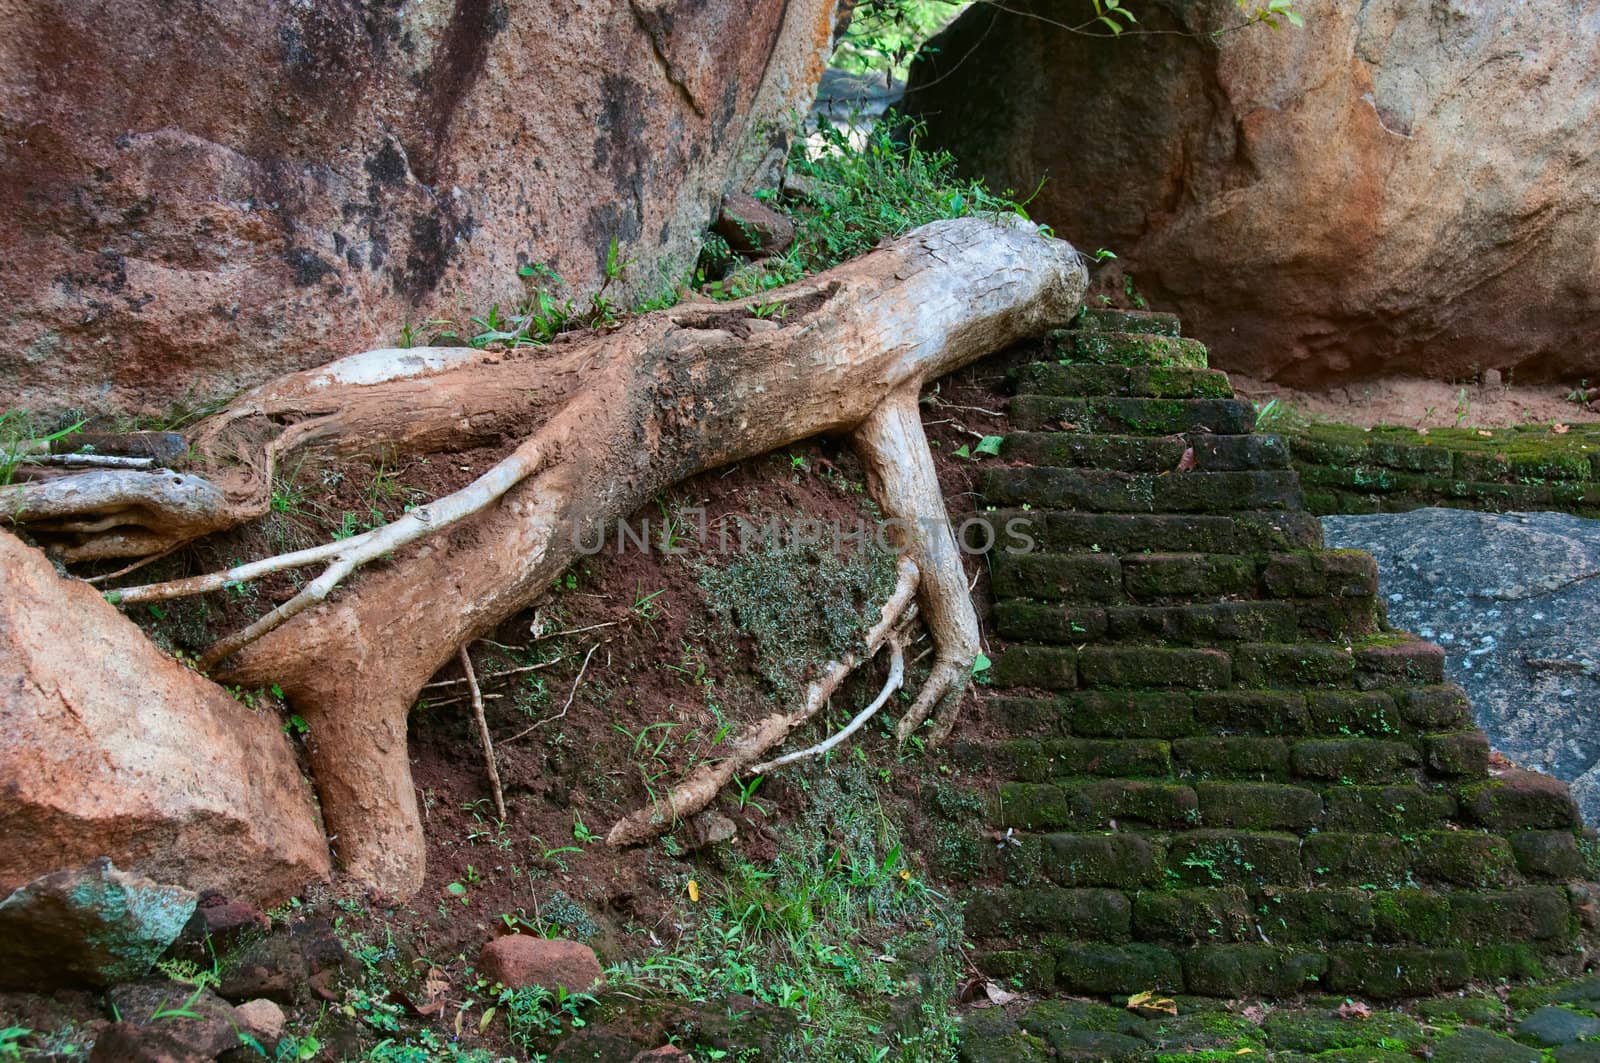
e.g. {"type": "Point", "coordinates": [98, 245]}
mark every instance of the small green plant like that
{"type": "Point", "coordinates": [11, 1038]}
{"type": "Point", "coordinates": [746, 795]}
{"type": "Point", "coordinates": [19, 438]}
{"type": "Point", "coordinates": [581, 831]}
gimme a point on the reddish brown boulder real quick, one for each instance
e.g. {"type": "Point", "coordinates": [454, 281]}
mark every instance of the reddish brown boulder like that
{"type": "Point", "coordinates": [110, 748]}
{"type": "Point", "coordinates": [1396, 188]}
{"type": "Point", "coordinates": [753, 228]}
{"type": "Point", "coordinates": [199, 203]}
{"type": "Point", "coordinates": [519, 960]}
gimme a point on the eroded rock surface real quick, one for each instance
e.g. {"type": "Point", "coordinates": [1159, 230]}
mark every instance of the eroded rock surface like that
{"type": "Point", "coordinates": [1396, 188]}
{"type": "Point", "coordinates": [110, 748]}
{"type": "Point", "coordinates": [200, 203]}
{"type": "Point", "coordinates": [1514, 598]}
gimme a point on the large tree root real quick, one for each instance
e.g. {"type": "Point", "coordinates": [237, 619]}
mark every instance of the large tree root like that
{"type": "Point", "coordinates": [607, 420]}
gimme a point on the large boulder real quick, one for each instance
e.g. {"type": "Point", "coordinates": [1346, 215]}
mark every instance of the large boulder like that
{"type": "Point", "coordinates": [198, 199]}
{"type": "Point", "coordinates": [1514, 598]}
{"type": "Point", "coordinates": [110, 748]}
{"type": "Point", "coordinates": [1399, 187]}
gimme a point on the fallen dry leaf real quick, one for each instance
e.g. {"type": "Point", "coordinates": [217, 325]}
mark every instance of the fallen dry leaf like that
{"type": "Point", "coordinates": [1485, 433]}
{"type": "Point", "coordinates": [1353, 1009]}
{"type": "Point", "coordinates": [1187, 462]}
{"type": "Point", "coordinates": [1148, 1004]}
{"type": "Point", "coordinates": [1559, 429]}
{"type": "Point", "coordinates": [997, 996]}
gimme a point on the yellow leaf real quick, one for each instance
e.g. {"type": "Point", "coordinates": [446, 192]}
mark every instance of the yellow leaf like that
{"type": "Point", "coordinates": [694, 891]}
{"type": "Point", "coordinates": [483, 1023]}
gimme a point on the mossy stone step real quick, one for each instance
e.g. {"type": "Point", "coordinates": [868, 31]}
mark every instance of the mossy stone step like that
{"type": "Point", "coordinates": [1187, 625]}
{"type": "Point", "coordinates": [1141, 453]}
{"type": "Point", "coordinates": [1095, 347]}
{"type": "Point", "coordinates": [1153, 417]}
{"type": "Point", "coordinates": [1525, 451]}
{"type": "Point", "coordinates": [1242, 532]}
{"type": "Point", "coordinates": [1105, 319]}
{"type": "Point", "coordinates": [1117, 492]}
{"type": "Point", "coordinates": [1053, 378]}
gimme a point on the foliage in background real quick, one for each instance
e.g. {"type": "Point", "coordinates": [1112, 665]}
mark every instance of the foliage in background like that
{"type": "Point", "coordinates": [885, 35]}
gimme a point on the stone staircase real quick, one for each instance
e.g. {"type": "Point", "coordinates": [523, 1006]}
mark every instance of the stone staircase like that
{"type": "Point", "coordinates": [1217, 771]}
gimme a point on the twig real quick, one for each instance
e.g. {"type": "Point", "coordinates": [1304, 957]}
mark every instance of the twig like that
{"type": "Point", "coordinates": [136, 566]}
{"type": "Point", "coordinates": [572, 694]}
{"type": "Point", "coordinates": [574, 631]}
{"type": "Point", "coordinates": [897, 676]}
{"type": "Point", "coordinates": [494, 675]}
{"type": "Point", "coordinates": [90, 461]}
{"type": "Point", "coordinates": [483, 734]}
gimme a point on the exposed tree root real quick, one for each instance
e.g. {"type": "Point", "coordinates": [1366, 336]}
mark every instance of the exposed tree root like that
{"type": "Point", "coordinates": [605, 421]}
{"type": "Point", "coordinates": [702, 786]}
{"type": "Point", "coordinates": [483, 735]}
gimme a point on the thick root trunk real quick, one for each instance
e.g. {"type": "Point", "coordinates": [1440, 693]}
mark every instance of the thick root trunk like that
{"type": "Point", "coordinates": [617, 417]}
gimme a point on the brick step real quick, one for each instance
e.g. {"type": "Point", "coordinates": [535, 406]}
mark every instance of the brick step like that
{"type": "Point", "coordinates": [1139, 381]}
{"type": "Point", "coordinates": [1189, 625]}
{"type": "Point", "coordinates": [1119, 492]}
{"type": "Point", "coordinates": [1183, 714]}
{"type": "Point", "coordinates": [1124, 453]}
{"type": "Point", "coordinates": [1102, 347]}
{"type": "Point", "coordinates": [1089, 576]}
{"type": "Point", "coordinates": [1150, 417]}
{"type": "Point", "coordinates": [1108, 320]}
{"type": "Point", "coordinates": [1257, 969]}
{"type": "Point", "coordinates": [1238, 533]}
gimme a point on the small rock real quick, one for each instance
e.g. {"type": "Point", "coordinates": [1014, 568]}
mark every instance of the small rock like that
{"type": "Point", "coordinates": [711, 827]}
{"type": "Point", "coordinates": [1581, 1052]}
{"type": "Point", "coordinates": [1473, 1045]}
{"type": "Point", "coordinates": [261, 1019]}
{"type": "Point", "coordinates": [753, 228]}
{"type": "Point", "coordinates": [1551, 1026]}
{"type": "Point", "coordinates": [1491, 378]}
{"type": "Point", "coordinates": [520, 960]}
{"type": "Point", "coordinates": [93, 925]}
{"type": "Point", "coordinates": [271, 968]}
{"type": "Point", "coordinates": [148, 1031]}
{"type": "Point", "coordinates": [664, 1054]}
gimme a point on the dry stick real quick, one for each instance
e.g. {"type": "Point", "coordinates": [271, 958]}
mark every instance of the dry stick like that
{"type": "Point", "coordinates": [703, 785]}
{"type": "Point", "coordinates": [483, 734]}
{"type": "Point", "coordinates": [570, 695]}
{"type": "Point", "coordinates": [897, 675]}
{"type": "Point", "coordinates": [417, 524]}
{"type": "Point", "coordinates": [495, 675]}
{"type": "Point", "coordinates": [136, 566]}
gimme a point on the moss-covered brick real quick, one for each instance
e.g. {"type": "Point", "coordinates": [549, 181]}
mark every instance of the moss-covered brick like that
{"type": "Point", "coordinates": [1176, 382]}
{"type": "Point", "coordinates": [1158, 576]}
{"type": "Point", "coordinates": [1272, 712]}
{"type": "Point", "coordinates": [1112, 415]}
{"type": "Point", "coordinates": [1463, 858]}
{"type": "Point", "coordinates": [1240, 533]}
{"type": "Point", "coordinates": [1091, 451]}
{"type": "Point", "coordinates": [1015, 618]}
{"type": "Point", "coordinates": [1353, 713]}
{"type": "Point", "coordinates": [1201, 1033]}
{"type": "Point", "coordinates": [1315, 1032]}
{"type": "Point", "coordinates": [1508, 960]}
{"type": "Point", "coordinates": [1230, 857]}
{"type": "Point", "coordinates": [1120, 860]}
{"type": "Point", "coordinates": [1388, 973]}
{"type": "Point", "coordinates": [1091, 914]}
{"type": "Point", "coordinates": [1479, 466]}
{"type": "Point", "coordinates": [1339, 619]}
{"type": "Point", "coordinates": [980, 1044]}
{"type": "Point", "coordinates": [1129, 714]}
{"type": "Point", "coordinates": [1354, 760]}
{"type": "Point", "coordinates": [1054, 378]}
{"type": "Point", "coordinates": [1145, 666]}
{"type": "Point", "coordinates": [1045, 667]}
{"type": "Point", "coordinates": [1232, 757]}
{"type": "Point", "coordinates": [1213, 453]}
{"type": "Point", "coordinates": [1482, 1010]}
{"type": "Point", "coordinates": [1251, 621]}
{"type": "Point", "coordinates": [1412, 662]}
{"type": "Point", "coordinates": [1528, 914]}
{"type": "Point", "coordinates": [1302, 664]}
{"type": "Point", "coordinates": [1436, 708]}
{"type": "Point", "coordinates": [1033, 969]}
{"type": "Point", "coordinates": [1032, 806]}
{"type": "Point", "coordinates": [1049, 1017]}
{"type": "Point", "coordinates": [1373, 860]}
{"type": "Point", "coordinates": [1551, 854]}
{"type": "Point", "coordinates": [1304, 916]}
{"type": "Point", "coordinates": [1108, 319]}
{"type": "Point", "coordinates": [1192, 916]}
{"type": "Point", "coordinates": [1086, 577]}
{"type": "Point", "coordinates": [1088, 756]}
{"type": "Point", "coordinates": [1052, 488]}
{"type": "Point", "coordinates": [1246, 969]}
{"type": "Point", "coordinates": [1520, 800]}
{"type": "Point", "coordinates": [1412, 917]}
{"type": "Point", "coordinates": [1464, 754]}
{"type": "Point", "coordinates": [1029, 716]}
{"type": "Point", "coordinates": [1084, 967]}
{"type": "Point", "coordinates": [1397, 809]}
{"type": "Point", "coordinates": [1258, 806]}
{"type": "Point", "coordinates": [1097, 347]}
{"type": "Point", "coordinates": [1311, 573]}
{"type": "Point", "coordinates": [1094, 803]}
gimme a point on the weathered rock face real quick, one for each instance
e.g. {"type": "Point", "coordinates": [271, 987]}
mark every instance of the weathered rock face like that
{"type": "Point", "coordinates": [1396, 188]}
{"type": "Point", "coordinates": [110, 748]}
{"type": "Point", "coordinates": [200, 199]}
{"type": "Point", "coordinates": [1513, 598]}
